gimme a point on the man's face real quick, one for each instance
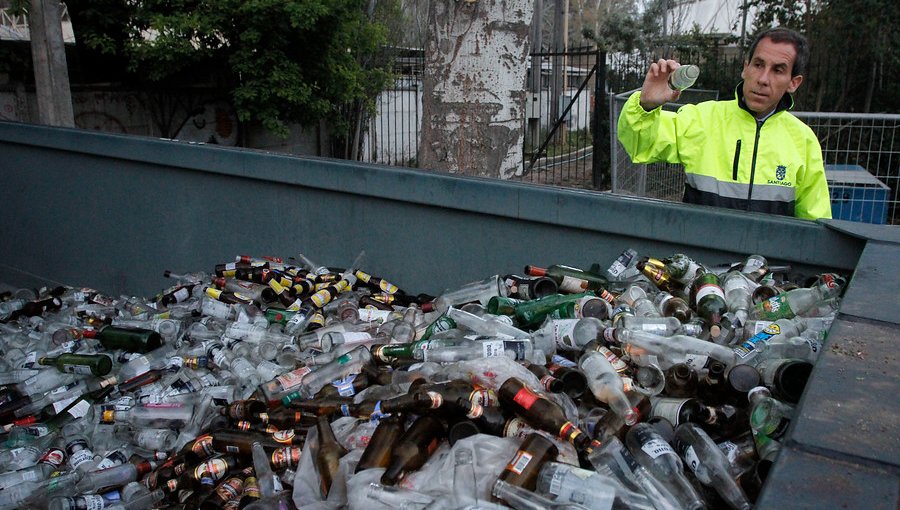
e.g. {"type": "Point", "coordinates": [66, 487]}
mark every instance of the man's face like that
{"type": "Point", "coordinates": [767, 76]}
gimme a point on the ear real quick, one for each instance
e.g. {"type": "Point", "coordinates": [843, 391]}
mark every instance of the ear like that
{"type": "Point", "coordinates": [795, 83]}
{"type": "Point", "coordinates": [744, 70]}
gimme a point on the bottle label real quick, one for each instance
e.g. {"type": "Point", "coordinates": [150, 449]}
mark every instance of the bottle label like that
{"type": "Point", "coordinates": [563, 334]}
{"type": "Point", "coordinates": [54, 457]}
{"type": "Point", "coordinates": [619, 365]}
{"type": "Point", "coordinates": [709, 289]}
{"type": "Point", "coordinates": [79, 453]}
{"type": "Point", "coordinates": [90, 502]}
{"type": "Point", "coordinates": [230, 489]}
{"type": "Point", "coordinates": [181, 294]}
{"type": "Point", "coordinates": [345, 386]}
{"type": "Point", "coordinates": [572, 285]}
{"type": "Point", "coordinates": [696, 361]}
{"type": "Point", "coordinates": [80, 409]}
{"type": "Point", "coordinates": [484, 397]}
{"type": "Point", "coordinates": [292, 379]}
{"type": "Point", "coordinates": [774, 308]}
{"type": "Point", "coordinates": [112, 459]}
{"type": "Point", "coordinates": [356, 337]}
{"type": "Point", "coordinates": [76, 369]}
{"type": "Point", "coordinates": [202, 446]}
{"type": "Point", "coordinates": [284, 436]}
{"type": "Point", "coordinates": [62, 404]}
{"type": "Point", "coordinates": [656, 447]}
{"type": "Point", "coordinates": [286, 457]}
{"type": "Point", "coordinates": [758, 341]}
{"type": "Point", "coordinates": [518, 464]}
{"type": "Point", "coordinates": [373, 315]}
{"type": "Point", "coordinates": [516, 427]}
{"type": "Point", "coordinates": [387, 287]}
{"type": "Point", "coordinates": [547, 381]}
{"type": "Point", "coordinates": [668, 408]}
{"type": "Point", "coordinates": [210, 470]}
{"type": "Point", "coordinates": [691, 459]}
{"type": "Point", "coordinates": [525, 398]}
{"type": "Point", "coordinates": [563, 362]}
{"type": "Point", "coordinates": [492, 349]}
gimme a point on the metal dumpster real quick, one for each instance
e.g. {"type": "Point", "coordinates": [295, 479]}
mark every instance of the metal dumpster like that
{"type": "Point", "coordinates": [113, 212]}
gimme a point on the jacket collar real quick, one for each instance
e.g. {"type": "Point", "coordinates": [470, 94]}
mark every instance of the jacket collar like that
{"type": "Point", "coordinates": [785, 103]}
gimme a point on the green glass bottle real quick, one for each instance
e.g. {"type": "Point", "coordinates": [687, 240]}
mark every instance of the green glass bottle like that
{"type": "Point", "coordinates": [532, 313]}
{"type": "Point", "coordinates": [709, 300]}
{"type": "Point", "coordinates": [126, 338]}
{"type": "Point", "coordinates": [95, 364]}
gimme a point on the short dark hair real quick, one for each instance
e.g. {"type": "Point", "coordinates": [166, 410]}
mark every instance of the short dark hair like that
{"type": "Point", "coordinates": [785, 35]}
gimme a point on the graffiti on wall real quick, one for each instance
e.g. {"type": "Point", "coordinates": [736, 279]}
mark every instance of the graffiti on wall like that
{"type": "Point", "coordinates": [213, 122]}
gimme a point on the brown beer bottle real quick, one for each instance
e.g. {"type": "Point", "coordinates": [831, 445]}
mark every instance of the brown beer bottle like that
{"type": "Point", "coordinates": [413, 448]}
{"type": "Point", "coordinates": [541, 413]}
{"type": "Point", "coordinates": [522, 470]}
{"type": "Point", "coordinates": [378, 452]}
{"type": "Point", "coordinates": [328, 456]}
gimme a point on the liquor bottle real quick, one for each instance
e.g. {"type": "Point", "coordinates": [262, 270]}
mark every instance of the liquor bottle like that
{"type": "Point", "coordinates": [50, 461]}
{"type": "Point", "coordinates": [748, 350]}
{"type": "Point", "coordinates": [709, 300]}
{"type": "Point", "coordinates": [352, 362]}
{"type": "Point", "coordinates": [570, 279]}
{"type": "Point", "coordinates": [738, 294]}
{"type": "Point", "coordinates": [655, 454]}
{"type": "Point", "coordinates": [523, 468]}
{"type": "Point", "coordinates": [683, 77]}
{"type": "Point", "coordinates": [570, 484]}
{"type": "Point", "coordinates": [672, 349]}
{"type": "Point", "coordinates": [95, 364]}
{"type": "Point", "coordinates": [541, 413]}
{"type": "Point", "coordinates": [798, 301]}
{"type": "Point", "coordinates": [378, 452]}
{"type": "Point", "coordinates": [174, 415]}
{"type": "Point", "coordinates": [606, 385]}
{"type": "Point", "coordinates": [116, 476]}
{"type": "Point", "coordinates": [673, 306]}
{"type": "Point", "coordinates": [483, 326]}
{"type": "Point", "coordinates": [786, 378]}
{"type": "Point", "coordinates": [708, 464]}
{"type": "Point", "coordinates": [481, 291]}
{"type": "Point", "coordinates": [526, 288]}
{"type": "Point", "coordinates": [328, 455]}
{"type": "Point", "coordinates": [517, 349]}
{"type": "Point", "coordinates": [413, 448]}
{"type": "Point", "coordinates": [662, 326]}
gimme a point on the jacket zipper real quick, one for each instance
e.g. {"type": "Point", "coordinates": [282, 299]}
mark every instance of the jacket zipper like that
{"type": "Point", "coordinates": [737, 159]}
{"type": "Point", "coordinates": [753, 163]}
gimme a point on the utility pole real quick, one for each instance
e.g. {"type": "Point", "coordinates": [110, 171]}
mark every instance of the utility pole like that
{"type": "Point", "coordinates": [51, 76]}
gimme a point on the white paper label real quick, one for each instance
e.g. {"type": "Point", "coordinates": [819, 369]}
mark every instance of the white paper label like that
{"type": "Point", "coordinates": [690, 457]}
{"type": "Point", "coordinates": [708, 289]}
{"type": "Point", "coordinates": [572, 285]}
{"type": "Point", "coordinates": [80, 409]}
{"type": "Point", "coordinates": [60, 405]}
{"type": "Point", "coordinates": [668, 408]}
{"type": "Point", "coordinates": [563, 334]}
{"type": "Point", "coordinates": [656, 447]}
{"type": "Point", "coordinates": [492, 348]}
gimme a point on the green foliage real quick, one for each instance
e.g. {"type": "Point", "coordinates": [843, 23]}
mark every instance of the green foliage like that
{"type": "Point", "coordinates": [279, 61]}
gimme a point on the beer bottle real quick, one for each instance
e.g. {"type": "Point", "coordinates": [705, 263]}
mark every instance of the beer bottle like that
{"type": "Point", "coordinates": [378, 452]}
{"type": "Point", "coordinates": [708, 463]}
{"type": "Point", "coordinates": [328, 455]}
{"type": "Point", "coordinates": [681, 380]}
{"type": "Point", "coordinates": [523, 469]}
{"type": "Point", "coordinates": [526, 288]}
{"type": "Point", "coordinates": [414, 448]}
{"type": "Point", "coordinates": [655, 454]}
{"type": "Point", "coordinates": [541, 413]}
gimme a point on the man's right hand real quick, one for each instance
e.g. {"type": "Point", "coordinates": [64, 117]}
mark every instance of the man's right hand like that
{"type": "Point", "coordinates": [656, 91]}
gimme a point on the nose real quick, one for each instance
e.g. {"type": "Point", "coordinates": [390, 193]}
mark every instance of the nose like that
{"type": "Point", "coordinates": [764, 76]}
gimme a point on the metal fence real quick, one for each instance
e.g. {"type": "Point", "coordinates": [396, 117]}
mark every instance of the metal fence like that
{"type": "Point", "coordinates": [559, 136]}
{"type": "Point", "coordinates": [862, 164]}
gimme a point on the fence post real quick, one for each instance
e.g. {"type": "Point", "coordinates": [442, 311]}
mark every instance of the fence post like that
{"type": "Point", "coordinates": [601, 127]}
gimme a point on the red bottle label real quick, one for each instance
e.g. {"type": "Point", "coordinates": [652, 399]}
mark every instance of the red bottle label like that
{"type": "Point", "coordinates": [525, 398]}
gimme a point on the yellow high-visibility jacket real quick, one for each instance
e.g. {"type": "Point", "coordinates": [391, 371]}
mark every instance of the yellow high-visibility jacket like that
{"type": "Point", "coordinates": [730, 159]}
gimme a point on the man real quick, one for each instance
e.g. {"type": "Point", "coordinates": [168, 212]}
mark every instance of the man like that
{"type": "Point", "coordinates": [749, 153]}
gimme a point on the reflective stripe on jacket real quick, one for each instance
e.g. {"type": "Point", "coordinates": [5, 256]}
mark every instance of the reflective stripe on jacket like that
{"type": "Point", "coordinates": [730, 159]}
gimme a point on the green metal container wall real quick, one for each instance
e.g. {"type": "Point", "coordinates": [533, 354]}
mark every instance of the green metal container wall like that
{"type": "Point", "coordinates": [113, 212]}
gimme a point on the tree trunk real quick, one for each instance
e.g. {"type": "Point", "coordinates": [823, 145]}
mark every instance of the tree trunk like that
{"type": "Point", "coordinates": [51, 76]}
{"type": "Point", "coordinates": [474, 86]}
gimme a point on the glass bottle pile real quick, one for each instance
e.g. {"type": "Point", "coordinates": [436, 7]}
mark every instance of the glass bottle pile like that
{"type": "Point", "coordinates": [660, 383]}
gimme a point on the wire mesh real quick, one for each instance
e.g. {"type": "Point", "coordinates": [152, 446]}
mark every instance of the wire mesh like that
{"type": "Point", "coordinates": [862, 164]}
